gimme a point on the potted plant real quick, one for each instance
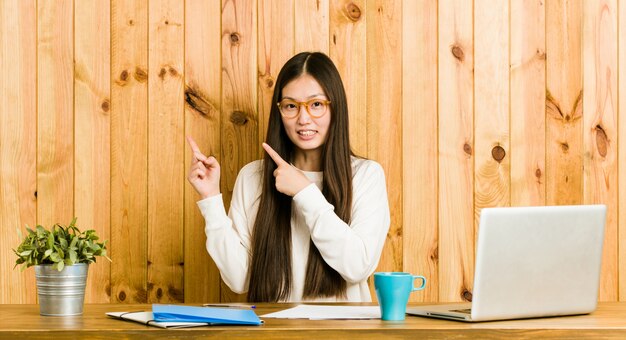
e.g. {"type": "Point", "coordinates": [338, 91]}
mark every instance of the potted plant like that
{"type": "Point", "coordinates": [61, 256]}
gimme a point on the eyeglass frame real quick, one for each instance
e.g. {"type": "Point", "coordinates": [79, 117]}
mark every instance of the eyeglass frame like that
{"type": "Point", "coordinates": [306, 107]}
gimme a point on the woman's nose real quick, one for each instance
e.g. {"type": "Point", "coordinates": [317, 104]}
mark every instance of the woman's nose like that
{"type": "Point", "coordinates": [303, 115]}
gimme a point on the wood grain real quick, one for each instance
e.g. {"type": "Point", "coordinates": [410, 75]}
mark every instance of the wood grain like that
{"type": "Point", "coordinates": [384, 114]}
{"type": "Point", "coordinates": [92, 126]}
{"type": "Point", "coordinates": [348, 50]}
{"type": "Point", "coordinates": [18, 149]}
{"type": "Point", "coordinates": [456, 151]}
{"type": "Point", "coordinates": [207, 68]}
{"type": "Point", "coordinates": [129, 149]}
{"type": "Point", "coordinates": [564, 91]}
{"type": "Point", "coordinates": [55, 112]}
{"type": "Point", "coordinates": [600, 128]}
{"type": "Point", "coordinates": [419, 145]}
{"type": "Point", "coordinates": [491, 106]}
{"type": "Point", "coordinates": [276, 46]}
{"type": "Point", "coordinates": [621, 149]}
{"type": "Point", "coordinates": [527, 108]}
{"type": "Point", "coordinates": [165, 150]}
{"type": "Point", "coordinates": [240, 134]}
{"type": "Point", "coordinates": [23, 321]}
{"type": "Point", "coordinates": [311, 25]}
{"type": "Point", "coordinates": [202, 122]}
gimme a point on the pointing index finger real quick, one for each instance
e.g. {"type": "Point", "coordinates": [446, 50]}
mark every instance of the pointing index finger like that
{"type": "Point", "coordinates": [275, 156]}
{"type": "Point", "coordinates": [192, 144]}
{"type": "Point", "coordinates": [197, 155]}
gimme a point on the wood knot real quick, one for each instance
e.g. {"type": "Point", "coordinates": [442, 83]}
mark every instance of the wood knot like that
{"type": "Point", "coordinates": [541, 55]}
{"type": "Point", "coordinates": [124, 76]}
{"type": "Point", "coordinates": [106, 105]}
{"type": "Point", "coordinates": [564, 147]}
{"type": "Point", "coordinates": [35, 194]}
{"type": "Point", "coordinates": [466, 295]}
{"type": "Point", "coordinates": [538, 173]}
{"type": "Point", "coordinates": [123, 80]}
{"type": "Point", "coordinates": [197, 101]}
{"type": "Point", "coordinates": [234, 38]}
{"type": "Point", "coordinates": [167, 22]}
{"type": "Point", "coordinates": [121, 296]}
{"type": "Point", "coordinates": [140, 75]}
{"type": "Point", "coordinates": [159, 293]}
{"type": "Point", "coordinates": [173, 72]}
{"type": "Point", "coordinates": [567, 117]}
{"type": "Point", "coordinates": [498, 153]}
{"type": "Point", "coordinates": [176, 294]}
{"type": "Point", "coordinates": [602, 141]}
{"type": "Point", "coordinates": [434, 254]}
{"type": "Point", "coordinates": [238, 118]}
{"type": "Point", "coordinates": [162, 73]}
{"type": "Point", "coordinates": [467, 149]}
{"type": "Point", "coordinates": [131, 22]}
{"type": "Point", "coordinates": [269, 83]}
{"type": "Point", "coordinates": [457, 52]}
{"type": "Point", "coordinates": [353, 12]}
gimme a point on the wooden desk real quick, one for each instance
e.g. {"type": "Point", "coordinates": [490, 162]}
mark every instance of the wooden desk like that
{"type": "Point", "coordinates": [24, 322]}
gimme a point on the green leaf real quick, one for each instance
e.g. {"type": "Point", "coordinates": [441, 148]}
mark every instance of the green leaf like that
{"type": "Point", "coordinates": [63, 243]}
{"type": "Point", "coordinates": [73, 256]}
{"type": "Point", "coordinates": [50, 240]}
{"type": "Point", "coordinates": [47, 254]}
{"type": "Point", "coordinates": [74, 242]}
{"type": "Point", "coordinates": [60, 246]}
{"type": "Point", "coordinates": [54, 257]}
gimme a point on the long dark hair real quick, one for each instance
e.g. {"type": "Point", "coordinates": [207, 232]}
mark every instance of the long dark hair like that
{"type": "Point", "coordinates": [270, 269]}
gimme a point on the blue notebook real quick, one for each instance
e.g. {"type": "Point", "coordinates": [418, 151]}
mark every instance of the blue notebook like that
{"type": "Point", "coordinates": [226, 316]}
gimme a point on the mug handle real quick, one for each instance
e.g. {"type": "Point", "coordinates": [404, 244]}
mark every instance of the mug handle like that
{"type": "Point", "coordinates": [423, 282]}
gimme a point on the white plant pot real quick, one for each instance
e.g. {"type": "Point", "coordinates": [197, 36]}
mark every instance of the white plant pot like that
{"type": "Point", "coordinates": [61, 293]}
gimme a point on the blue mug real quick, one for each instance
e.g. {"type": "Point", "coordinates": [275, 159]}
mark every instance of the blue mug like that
{"type": "Point", "coordinates": [393, 290]}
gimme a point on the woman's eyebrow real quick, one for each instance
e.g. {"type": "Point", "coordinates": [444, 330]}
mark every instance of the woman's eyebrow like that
{"type": "Point", "coordinates": [309, 97]}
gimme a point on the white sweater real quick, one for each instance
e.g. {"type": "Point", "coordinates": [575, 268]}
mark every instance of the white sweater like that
{"type": "Point", "coordinates": [352, 250]}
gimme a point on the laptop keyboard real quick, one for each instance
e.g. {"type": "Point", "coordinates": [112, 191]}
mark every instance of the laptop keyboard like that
{"type": "Point", "coordinates": [466, 310]}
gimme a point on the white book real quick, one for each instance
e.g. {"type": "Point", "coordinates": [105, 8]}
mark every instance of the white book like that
{"type": "Point", "coordinates": [147, 318]}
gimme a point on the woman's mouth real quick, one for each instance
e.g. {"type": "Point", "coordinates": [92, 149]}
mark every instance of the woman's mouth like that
{"type": "Point", "coordinates": [307, 134]}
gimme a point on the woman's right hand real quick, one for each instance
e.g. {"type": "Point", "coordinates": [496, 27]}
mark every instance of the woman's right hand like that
{"type": "Point", "coordinates": [204, 172]}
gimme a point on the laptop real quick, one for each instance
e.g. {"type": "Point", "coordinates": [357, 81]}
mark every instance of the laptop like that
{"type": "Point", "coordinates": [532, 262]}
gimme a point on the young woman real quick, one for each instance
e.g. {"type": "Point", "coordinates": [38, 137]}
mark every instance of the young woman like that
{"type": "Point", "coordinates": [309, 221]}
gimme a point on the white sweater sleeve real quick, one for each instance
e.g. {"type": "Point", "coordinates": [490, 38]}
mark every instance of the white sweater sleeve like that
{"type": "Point", "coordinates": [352, 250]}
{"type": "Point", "coordinates": [228, 236]}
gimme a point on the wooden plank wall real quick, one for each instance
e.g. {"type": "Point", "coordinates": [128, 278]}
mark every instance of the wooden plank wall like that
{"type": "Point", "coordinates": [466, 103]}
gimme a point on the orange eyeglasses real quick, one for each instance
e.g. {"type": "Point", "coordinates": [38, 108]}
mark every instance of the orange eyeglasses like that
{"type": "Point", "coordinates": [290, 108]}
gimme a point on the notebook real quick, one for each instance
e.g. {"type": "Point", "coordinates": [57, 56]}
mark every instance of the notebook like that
{"type": "Point", "coordinates": [179, 316]}
{"type": "Point", "coordinates": [223, 316]}
{"type": "Point", "coordinates": [532, 262]}
{"type": "Point", "coordinates": [147, 319]}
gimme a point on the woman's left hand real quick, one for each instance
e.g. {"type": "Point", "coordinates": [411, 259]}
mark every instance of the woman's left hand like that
{"type": "Point", "coordinates": [289, 179]}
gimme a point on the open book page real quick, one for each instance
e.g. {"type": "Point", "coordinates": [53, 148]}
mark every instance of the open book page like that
{"type": "Point", "coordinates": [147, 318]}
{"type": "Point", "coordinates": [325, 312]}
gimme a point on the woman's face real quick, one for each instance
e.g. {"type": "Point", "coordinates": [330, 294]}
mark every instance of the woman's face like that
{"type": "Point", "coordinates": [307, 132]}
